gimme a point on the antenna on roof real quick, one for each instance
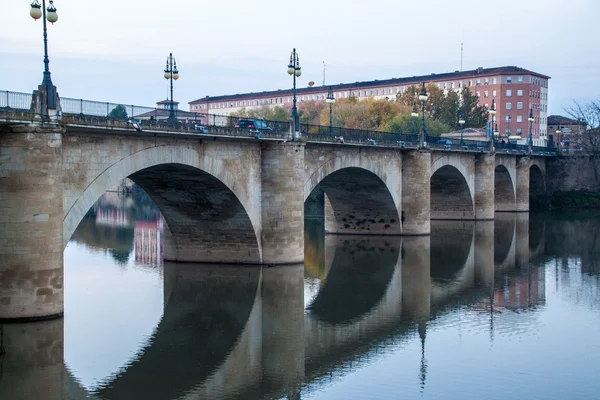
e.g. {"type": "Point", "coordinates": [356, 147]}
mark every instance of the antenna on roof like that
{"type": "Point", "coordinates": [324, 68]}
{"type": "Point", "coordinates": [461, 57]}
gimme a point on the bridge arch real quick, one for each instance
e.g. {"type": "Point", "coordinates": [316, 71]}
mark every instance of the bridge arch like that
{"type": "Point", "coordinates": [504, 189]}
{"type": "Point", "coordinates": [200, 200]}
{"type": "Point", "coordinates": [537, 187]}
{"type": "Point", "coordinates": [360, 196]}
{"type": "Point", "coordinates": [452, 189]}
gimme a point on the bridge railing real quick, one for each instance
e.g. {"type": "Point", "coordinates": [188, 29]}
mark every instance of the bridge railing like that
{"type": "Point", "coordinates": [322, 133]}
{"type": "Point", "coordinates": [457, 144]}
{"type": "Point", "coordinates": [119, 115]}
{"type": "Point", "coordinates": [16, 100]}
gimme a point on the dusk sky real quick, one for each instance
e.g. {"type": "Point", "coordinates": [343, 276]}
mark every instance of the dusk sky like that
{"type": "Point", "coordinates": [116, 50]}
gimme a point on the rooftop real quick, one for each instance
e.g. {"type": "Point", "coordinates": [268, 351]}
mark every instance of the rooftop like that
{"type": "Point", "coordinates": [561, 120]}
{"type": "Point", "coordinates": [479, 72]}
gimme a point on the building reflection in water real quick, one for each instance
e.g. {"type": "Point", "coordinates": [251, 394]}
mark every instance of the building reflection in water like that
{"type": "Point", "coordinates": [249, 332]}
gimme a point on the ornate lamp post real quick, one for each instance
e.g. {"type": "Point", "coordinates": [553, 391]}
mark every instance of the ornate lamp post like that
{"type": "Point", "coordinates": [461, 122]}
{"type": "Point", "coordinates": [171, 73]}
{"type": "Point", "coordinates": [492, 112]}
{"type": "Point", "coordinates": [51, 16]}
{"type": "Point", "coordinates": [330, 100]}
{"type": "Point", "coordinates": [423, 98]}
{"type": "Point", "coordinates": [531, 119]}
{"type": "Point", "coordinates": [415, 115]}
{"type": "Point", "coordinates": [295, 70]}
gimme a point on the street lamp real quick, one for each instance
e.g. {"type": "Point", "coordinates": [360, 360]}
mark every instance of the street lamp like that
{"type": "Point", "coordinates": [207, 110]}
{"type": "Point", "coordinates": [415, 115]}
{"type": "Point", "coordinates": [423, 98]}
{"type": "Point", "coordinates": [531, 119]}
{"type": "Point", "coordinates": [295, 70]}
{"type": "Point", "coordinates": [330, 99]}
{"type": "Point", "coordinates": [492, 112]}
{"type": "Point", "coordinates": [461, 122]}
{"type": "Point", "coordinates": [51, 16]}
{"type": "Point", "coordinates": [171, 73]}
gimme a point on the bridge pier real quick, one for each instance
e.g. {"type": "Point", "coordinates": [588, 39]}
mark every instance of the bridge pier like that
{"type": "Point", "coordinates": [484, 252]}
{"type": "Point", "coordinates": [33, 363]}
{"type": "Point", "coordinates": [522, 184]}
{"type": "Point", "coordinates": [283, 337]}
{"type": "Point", "coordinates": [416, 192]}
{"type": "Point", "coordinates": [416, 278]}
{"type": "Point", "coordinates": [31, 222]}
{"type": "Point", "coordinates": [282, 172]}
{"type": "Point", "coordinates": [522, 240]}
{"type": "Point", "coordinates": [485, 165]}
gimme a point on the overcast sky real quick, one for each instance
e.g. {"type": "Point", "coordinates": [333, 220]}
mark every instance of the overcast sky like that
{"type": "Point", "coordinates": [115, 50]}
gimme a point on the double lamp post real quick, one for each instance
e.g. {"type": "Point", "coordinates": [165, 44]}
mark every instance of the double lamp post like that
{"type": "Point", "coordinates": [49, 14]}
{"type": "Point", "coordinates": [171, 73]}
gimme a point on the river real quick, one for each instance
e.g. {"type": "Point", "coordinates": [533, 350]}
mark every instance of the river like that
{"type": "Point", "coordinates": [500, 309]}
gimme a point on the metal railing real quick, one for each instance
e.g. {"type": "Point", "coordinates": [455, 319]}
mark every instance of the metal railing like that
{"type": "Point", "coordinates": [321, 133]}
{"type": "Point", "coordinates": [80, 111]}
{"type": "Point", "coordinates": [16, 100]}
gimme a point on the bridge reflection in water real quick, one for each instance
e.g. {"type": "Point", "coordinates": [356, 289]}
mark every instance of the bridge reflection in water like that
{"type": "Point", "coordinates": [249, 332]}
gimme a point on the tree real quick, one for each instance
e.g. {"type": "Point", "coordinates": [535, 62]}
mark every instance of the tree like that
{"type": "Point", "coordinates": [119, 112]}
{"type": "Point", "coordinates": [413, 125]}
{"type": "Point", "coordinates": [268, 113]}
{"type": "Point", "coordinates": [310, 111]}
{"type": "Point", "coordinates": [589, 114]}
{"type": "Point", "coordinates": [475, 114]}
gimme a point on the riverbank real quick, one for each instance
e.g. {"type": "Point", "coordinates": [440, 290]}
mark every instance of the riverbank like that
{"type": "Point", "coordinates": [574, 199]}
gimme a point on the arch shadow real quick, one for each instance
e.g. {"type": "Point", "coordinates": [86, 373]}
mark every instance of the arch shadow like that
{"type": "Point", "coordinates": [504, 190]}
{"type": "Point", "coordinates": [360, 201]}
{"type": "Point", "coordinates": [451, 197]}
{"type": "Point", "coordinates": [361, 271]}
{"type": "Point", "coordinates": [207, 310]}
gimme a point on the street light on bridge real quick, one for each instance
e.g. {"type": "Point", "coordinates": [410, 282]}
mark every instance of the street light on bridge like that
{"type": "Point", "coordinates": [492, 112]}
{"type": "Point", "coordinates": [461, 122]}
{"type": "Point", "coordinates": [295, 70]}
{"type": "Point", "coordinates": [423, 98]}
{"type": "Point", "coordinates": [415, 115]}
{"type": "Point", "coordinates": [330, 100]}
{"type": "Point", "coordinates": [49, 14]}
{"type": "Point", "coordinates": [531, 119]}
{"type": "Point", "coordinates": [171, 73]}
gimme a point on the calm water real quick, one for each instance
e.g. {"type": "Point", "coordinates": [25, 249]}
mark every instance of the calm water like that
{"type": "Point", "coordinates": [509, 309]}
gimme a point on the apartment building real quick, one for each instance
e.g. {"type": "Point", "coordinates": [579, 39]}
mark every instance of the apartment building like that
{"type": "Point", "coordinates": [515, 91]}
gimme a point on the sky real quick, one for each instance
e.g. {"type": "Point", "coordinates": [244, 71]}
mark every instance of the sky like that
{"type": "Point", "coordinates": [115, 50]}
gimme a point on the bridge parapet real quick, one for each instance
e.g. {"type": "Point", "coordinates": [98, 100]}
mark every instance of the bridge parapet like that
{"type": "Point", "coordinates": [17, 107]}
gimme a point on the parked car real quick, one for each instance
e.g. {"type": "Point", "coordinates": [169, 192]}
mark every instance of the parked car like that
{"type": "Point", "coordinates": [254, 125]}
{"type": "Point", "coordinates": [200, 128]}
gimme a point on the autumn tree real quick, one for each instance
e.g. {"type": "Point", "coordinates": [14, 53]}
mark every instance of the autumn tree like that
{"type": "Point", "coordinates": [589, 114]}
{"type": "Point", "coordinates": [268, 113]}
{"type": "Point", "coordinates": [119, 112]}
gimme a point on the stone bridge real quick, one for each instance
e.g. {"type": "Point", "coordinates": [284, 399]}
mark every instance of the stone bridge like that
{"type": "Point", "coordinates": [228, 199]}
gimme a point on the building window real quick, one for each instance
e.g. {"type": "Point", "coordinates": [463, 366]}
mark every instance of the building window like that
{"type": "Point", "coordinates": [478, 82]}
{"type": "Point", "coordinates": [486, 81]}
{"type": "Point", "coordinates": [494, 81]}
{"type": "Point", "coordinates": [485, 93]}
{"type": "Point", "coordinates": [520, 93]}
{"type": "Point", "coordinates": [509, 79]}
{"type": "Point", "coordinates": [493, 93]}
{"type": "Point", "coordinates": [508, 118]}
{"type": "Point", "coordinates": [508, 92]}
{"type": "Point", "coordinates": [519, 131]}
{"type": "Point", "coordinates": [478, 94]}
{"type": "Point", "coordinates": [508, 106]}
{"type": "Point", "coordinates": [519, 105]}
{"type": "Point", "coordinates": [520, 79]}
{"type": "Point", "coordinates": [519, 118]}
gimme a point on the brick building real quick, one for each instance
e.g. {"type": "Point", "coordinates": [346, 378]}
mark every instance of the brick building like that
{"type": "Point", "coordinates": [514, 89]}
